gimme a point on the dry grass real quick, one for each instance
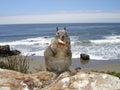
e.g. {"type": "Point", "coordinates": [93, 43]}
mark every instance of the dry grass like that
{"type": "Point", "coordinates": [17, 63]}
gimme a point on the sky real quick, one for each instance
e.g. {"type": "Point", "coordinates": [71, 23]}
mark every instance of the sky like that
{"type": "Point", "coordinates": [59, 11]}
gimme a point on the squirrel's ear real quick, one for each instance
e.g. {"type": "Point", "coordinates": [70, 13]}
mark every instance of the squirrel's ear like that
{"type": "Point", "coordinates": [64, 28]}
{"type": "Point", "coordinates": [56, 28]}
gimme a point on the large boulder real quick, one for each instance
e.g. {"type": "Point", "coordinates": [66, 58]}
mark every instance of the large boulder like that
{"type": "Point", "coordinates": [5, 51]}
{"type": "Point", "coordinates": [12, 80]}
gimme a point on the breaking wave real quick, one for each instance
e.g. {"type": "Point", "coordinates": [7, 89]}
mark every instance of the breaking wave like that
{"type": "Point", "coordinates": [105, 49]}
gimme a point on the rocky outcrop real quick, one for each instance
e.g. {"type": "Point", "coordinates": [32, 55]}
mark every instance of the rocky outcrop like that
{"type": "Point", "coordinates": [11, 80]}
{"type": "Point", "coordinates": [87, 81]}
{"type": "Point", "coordinates": [5, 51]}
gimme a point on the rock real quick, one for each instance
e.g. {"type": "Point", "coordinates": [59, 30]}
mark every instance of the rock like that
{"type": "Point", "coordinates": [12, 80]}
{"type": "Point", "coordinates": [44, 80]}
{"type": "Point", "coordinates": [87, 81]}
{"type": "Point", "coordinates": [84, 56]}
{"type": "Point", "coordinates": [5, 48]}
{"type": "Point", "coordinates": [14, 52]}
{"type": "Point", "coordinates": [5, 51]}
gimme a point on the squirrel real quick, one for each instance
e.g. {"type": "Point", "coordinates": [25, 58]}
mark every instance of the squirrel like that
{"type": "Point", "coordinates": [58, 55]}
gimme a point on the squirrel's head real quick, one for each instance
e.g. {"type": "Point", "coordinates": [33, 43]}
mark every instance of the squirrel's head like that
{"type": "Point", "coordinates": [62, 35]}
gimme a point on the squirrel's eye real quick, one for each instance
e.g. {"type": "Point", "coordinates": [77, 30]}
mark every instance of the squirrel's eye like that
{"type": "Point", "coordinates": [57, 33]}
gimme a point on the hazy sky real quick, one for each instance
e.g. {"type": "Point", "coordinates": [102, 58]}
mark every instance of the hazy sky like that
{"type": "Point", "coordinates": [59, 11]}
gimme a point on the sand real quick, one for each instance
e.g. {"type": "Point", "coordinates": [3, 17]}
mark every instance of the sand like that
{"type": "Point", "coordinates": [38, 64]}
{"type": "Point", "coordinates": [104, 68]}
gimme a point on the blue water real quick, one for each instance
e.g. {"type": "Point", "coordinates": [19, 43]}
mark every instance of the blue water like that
{"type": "Point", "coordinates": [99, 40]}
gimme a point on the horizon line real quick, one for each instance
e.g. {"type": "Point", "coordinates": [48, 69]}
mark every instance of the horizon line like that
{"type": "Point", "coordinates": [78, 17]}
{"type": "Point", "coordinates": [64, 23]}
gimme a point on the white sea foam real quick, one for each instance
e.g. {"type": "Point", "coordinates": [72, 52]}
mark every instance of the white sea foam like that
{"type": "Point", "coordinates": [31, 46]}
{"type": "Point", "coordinates": [108, 48]}
{"type": "Point", "coordinates": [103, 41]}
{"type": "Point", "coordinates": [94, 54]}
{"type": "Point", "coordinates": [113, 37]}
{"type": "Point", "coordinates": [31, 41]}
{"type": "Point", "coordinates": [97, 57]}
{"type": "Point", "coordinates": [104, 49]}
{"type": "Point", "coordinates": [108, 39]}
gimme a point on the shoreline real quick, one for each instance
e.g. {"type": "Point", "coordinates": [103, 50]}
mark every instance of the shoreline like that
{"type": "Point", "coordinates": [91, 65]}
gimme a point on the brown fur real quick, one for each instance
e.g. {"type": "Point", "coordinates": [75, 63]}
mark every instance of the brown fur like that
{"type": "Point", "coordinates": [58, 56]}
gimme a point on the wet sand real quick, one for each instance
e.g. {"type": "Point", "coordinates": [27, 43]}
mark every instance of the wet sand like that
{"type": "Point", "coordinates": [38, 64]}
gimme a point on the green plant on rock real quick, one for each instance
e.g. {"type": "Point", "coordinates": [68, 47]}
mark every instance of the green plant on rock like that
{"type": "Point", "coordinates": [114, 74]}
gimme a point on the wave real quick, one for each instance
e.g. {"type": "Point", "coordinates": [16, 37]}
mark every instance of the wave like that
{"type": "Point", "coordinates": [101, 49]}
{"type": "Point", "coordinates": [30, 46]}
{"type": "Point", "coordinates": [107, 39]}
{"type": "Point", "coordinates": [98, 51]}
{"type": "Point", "coordinates": [30, 41]}
{"type": "Point", "coordinates": [104, 49]}
{"type": "Point", "coordinates": [113, 37]}
{"type": "Point", "coordinates": [104, 41]}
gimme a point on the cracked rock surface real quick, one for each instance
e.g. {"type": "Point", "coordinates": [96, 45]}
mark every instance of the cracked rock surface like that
{"type": "Point", "coordinates": [44, 80]}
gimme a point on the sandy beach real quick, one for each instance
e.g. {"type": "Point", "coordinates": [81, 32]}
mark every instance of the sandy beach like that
{"type": "Point", "coordinates": [38, 64]}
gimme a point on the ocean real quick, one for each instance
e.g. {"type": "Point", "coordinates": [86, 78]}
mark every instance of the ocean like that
{"type": "Point", "coordinates": [100, 40]}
